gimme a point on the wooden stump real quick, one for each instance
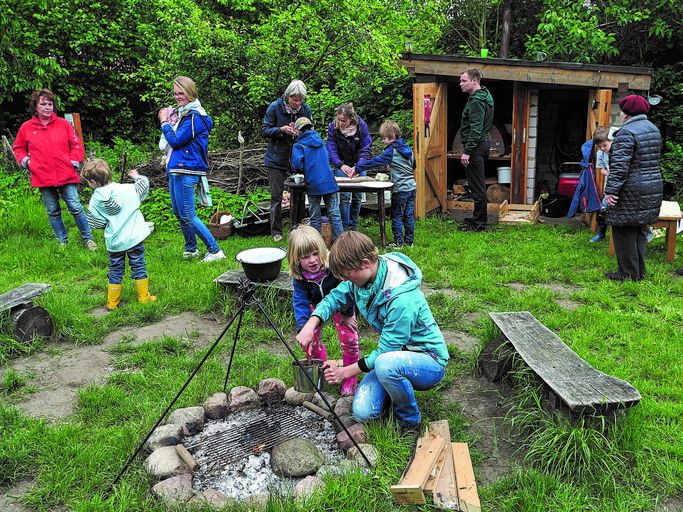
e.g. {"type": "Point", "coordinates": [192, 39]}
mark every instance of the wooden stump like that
{"type": "Point", "coordinates": [29, 321]}
{"type": "Point", "coordinates": [497, 193]}
{"type": "Point", "coordinates": [495, 359]}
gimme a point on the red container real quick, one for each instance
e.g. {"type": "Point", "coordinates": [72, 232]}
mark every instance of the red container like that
{"type": "Point", "coordinates": [568, 183]}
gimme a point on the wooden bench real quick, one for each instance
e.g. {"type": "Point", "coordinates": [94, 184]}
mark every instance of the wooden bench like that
{"type": "Point", "coordinates": [572, 380]}
{"type": "Point", "coordinates": [28, 320]}
{"type": "Point", "coordinates": [232, 278]}
{"type": "Point", "coordinates": [669, 215]}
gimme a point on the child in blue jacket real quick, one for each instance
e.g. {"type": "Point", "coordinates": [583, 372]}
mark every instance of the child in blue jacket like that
{"type": "Point", "coordinates": [399, 157]}
{"type": "Point", "coordinates": [115, 207]}
{"type": "Point", "coordinates": [411, 353]}
{"type": "Point", "coordinates": [312, 280]}
{"type": "Point", "coordinates": [309, 155]}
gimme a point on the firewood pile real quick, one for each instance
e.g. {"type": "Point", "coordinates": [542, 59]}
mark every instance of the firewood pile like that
{"type": "Point", "coordinates": [223, 169]}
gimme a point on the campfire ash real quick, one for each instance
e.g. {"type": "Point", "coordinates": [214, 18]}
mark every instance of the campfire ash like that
{"type": "Point", "coordinates": [222, 449]}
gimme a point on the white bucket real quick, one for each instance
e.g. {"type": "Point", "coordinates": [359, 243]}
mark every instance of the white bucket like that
{"type": "Point", "coordinates": [504, 175]}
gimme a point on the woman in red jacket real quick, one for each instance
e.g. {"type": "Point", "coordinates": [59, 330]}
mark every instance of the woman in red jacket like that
{"type": "Point", "coordinates": [49, 148]}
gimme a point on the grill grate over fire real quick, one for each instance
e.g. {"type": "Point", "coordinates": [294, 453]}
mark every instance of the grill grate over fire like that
{"type": "Point", "coordinates": [267, 429]}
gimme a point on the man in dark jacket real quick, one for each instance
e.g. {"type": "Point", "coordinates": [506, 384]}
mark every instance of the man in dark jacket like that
{"type": "Point", "coordinates": [278, 127]}
{"type": "Point", "coordinates": [477, 118]}
{"type": "Point", "coordinates": [634, 187]}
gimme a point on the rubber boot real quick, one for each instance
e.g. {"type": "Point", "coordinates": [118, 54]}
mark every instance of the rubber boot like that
{"type": "Point", "coordinates": [348, 387]}
{"type": "Point", "coordinates": [113, 295]}
{"type": "Point", "coordinates": [142, 287]}
{"type": "Point", "coordinates": [348, 338]}
{"type": "Point", "coordinates": [601, 228]}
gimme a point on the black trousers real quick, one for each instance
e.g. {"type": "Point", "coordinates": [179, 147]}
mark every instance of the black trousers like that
{"type": "Point", "coordinates": [276, 181]}
{"type": "Point", "coordinates": [476, 178]}
{"type": "Point", "coordinates": [630, 244]}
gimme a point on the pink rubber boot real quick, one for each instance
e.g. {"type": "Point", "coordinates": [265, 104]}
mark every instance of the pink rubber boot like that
{"type": "Point", "coordinates": [348, 338]}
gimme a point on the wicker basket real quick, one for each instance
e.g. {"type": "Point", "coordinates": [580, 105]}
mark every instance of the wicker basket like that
{"type": "Point", "coordinates": [218, 230]}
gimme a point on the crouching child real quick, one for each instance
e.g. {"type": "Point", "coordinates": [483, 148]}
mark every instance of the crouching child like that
{"type": "Point", "coordinates": [411, 354]}
{"type": "Point", "coordinates": [115, 207]}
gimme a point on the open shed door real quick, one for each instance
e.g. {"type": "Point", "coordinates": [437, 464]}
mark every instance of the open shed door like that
{"type": "Point", "coordinates": [430, 147]}
{"type": "Point", "coordinates": [599, 110]}
{"type": "Point", "coordinates": [520, 141]}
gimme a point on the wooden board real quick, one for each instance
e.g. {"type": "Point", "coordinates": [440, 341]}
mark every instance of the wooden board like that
{"type": "Point", "coordinates": [454, 204]}
{"type": "Point", "coordinates": [410, 489]}
{"type": "Point", "coordinates": [580, 386]}
{"type": "Point", "coordinates": [670, 210]}
{"type": "Point", "coordinates": [445, 491]}
{"type": "Point", "coordinates": [23, 294]}
{"type": "Point", "coordinates": [464, 474]}
{"type": "Point", "coordinates": [232, 278]}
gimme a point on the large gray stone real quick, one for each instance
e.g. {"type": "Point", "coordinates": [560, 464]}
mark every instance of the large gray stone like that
{"type": "Point", "coordinates": [174, 490]}
{"type": "Point", "coordinates": [294, 397]}
{"type": "Point", "coordinates": [343, 406]}
{"type": "Point", "coordinates": [242, 398]}
{"type": "Point", "coordinates": [319, 401]}
{"type": "Point", "coordinates": [165, 462]}
{"type": "Point", "coordinates": [307, 486]}
{"type": "Point", "coordinates": [271, 390]}
{"type": "Point", "coordinates": [369, 451]}
{"type": "Point", "coordinates": [295, 458]}
{"type": "Point", "coordinates": [190, 418]}
{"type": "Point", "coordinates": [216, 406]}
{"type": "Point", "coordinates": [164, 435]}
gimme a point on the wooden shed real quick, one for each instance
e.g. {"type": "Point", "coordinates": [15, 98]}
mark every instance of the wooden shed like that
{"type": "Point", "coordinates": [544, 111]}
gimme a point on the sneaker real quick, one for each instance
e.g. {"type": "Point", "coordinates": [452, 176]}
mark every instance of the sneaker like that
{"type": "Point", "coordinates": [188, 255]}
{"type": "Point", "coordinates": [650, 235]}
{"type": "Point", "coordinates": [412, 431]}
{"type": "Point", "coordinates": [395, 245]}
{"type": "Point", "coordinates": [679, 272]}
{"type": "Point", "coordinates": [598, 237]}
{"type": "Point", "coordinates": [277, 238]}
{"type": "Point", "coordinates": [213, 256]}
{"type": "Point", "coordinates": [90, 245]}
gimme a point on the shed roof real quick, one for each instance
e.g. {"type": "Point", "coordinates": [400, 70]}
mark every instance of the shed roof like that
{"type": "Point", "coordinates": [545, 72]}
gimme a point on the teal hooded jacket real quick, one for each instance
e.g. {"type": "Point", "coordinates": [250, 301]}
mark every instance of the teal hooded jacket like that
{"type": "Point", "coordinates": [396, 308]}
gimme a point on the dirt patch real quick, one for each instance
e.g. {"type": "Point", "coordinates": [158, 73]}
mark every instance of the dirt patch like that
{"type": "Point", "coordinates": [482, 404]}
{"type": "Point", "coordinates": [673, 504]}
{"type": "Point", "coordinates": [463, 341]}
{"type": "Point", "coordinates": [562, 289]}
{"type": "Point", "coordinates": [568, 304]}
{"type": "Point", "coordinates": [10, 498]}
{"type": "Point", "coordinates": [518, 287]}
{"type": "Point", "coordinates": [58, 374]}
{"type": "Point", "coordinates": [453, 294]}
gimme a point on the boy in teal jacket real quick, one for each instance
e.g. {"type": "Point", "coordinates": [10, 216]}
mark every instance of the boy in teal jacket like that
{"type": "Point", "coordinates": [411, 353]}
{"type": "Point", "coordinates": [115, 207]}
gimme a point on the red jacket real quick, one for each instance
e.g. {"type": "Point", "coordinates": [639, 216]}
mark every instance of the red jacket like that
{"type": "Point", "coordinates": [52, 148]}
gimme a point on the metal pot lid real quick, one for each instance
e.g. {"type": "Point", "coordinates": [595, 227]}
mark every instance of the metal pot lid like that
{"type": "Point", "coordinates": [260, 255]}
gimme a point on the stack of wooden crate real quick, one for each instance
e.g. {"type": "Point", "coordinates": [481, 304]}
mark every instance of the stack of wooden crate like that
{"type": "Point", "coordinates": [441, 469]}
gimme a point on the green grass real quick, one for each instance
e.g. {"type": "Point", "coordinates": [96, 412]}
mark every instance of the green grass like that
{"type": "Point", "coordinates": [629, 330]}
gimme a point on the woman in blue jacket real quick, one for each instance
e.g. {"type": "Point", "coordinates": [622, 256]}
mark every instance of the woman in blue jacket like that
{"type": "Point", "coordinates": [278, 128]}
{"type": "Point", "coordinates": [187, 164]}
{"type": "Point", "coordinates": [348, 141]}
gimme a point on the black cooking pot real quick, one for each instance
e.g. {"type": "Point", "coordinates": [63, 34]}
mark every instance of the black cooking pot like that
{"type": "Point", "coordinates": [261, 264]}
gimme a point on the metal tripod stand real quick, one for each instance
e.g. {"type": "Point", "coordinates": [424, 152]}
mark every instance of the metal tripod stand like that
{"type": "Point", "coordinates": [245, 300]}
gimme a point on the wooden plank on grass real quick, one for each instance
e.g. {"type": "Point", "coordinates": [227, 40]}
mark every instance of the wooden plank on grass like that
{"type": "Point", "coordinates": [410, 489]}
{"type": "Point", "coordinates": [464, 474]}
{"type": "Point", "coordinates": [445, 492]}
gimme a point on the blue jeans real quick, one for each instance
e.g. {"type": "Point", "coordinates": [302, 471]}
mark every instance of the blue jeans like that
{"type": "Point", "coordinates": [332, 204]}
{"type": "Point", "coordinates": [349, 204]}
{"type": "Point", "coordinates": [181, 187]}
{"type": "Point", "coordinates": [403, 216]}
{"type": "Point", "coordinates": [69, 194]}
{"type": "Point", "coordinates": [136, 260]}
{"type": "Point", "coordinates": [395, 377]}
